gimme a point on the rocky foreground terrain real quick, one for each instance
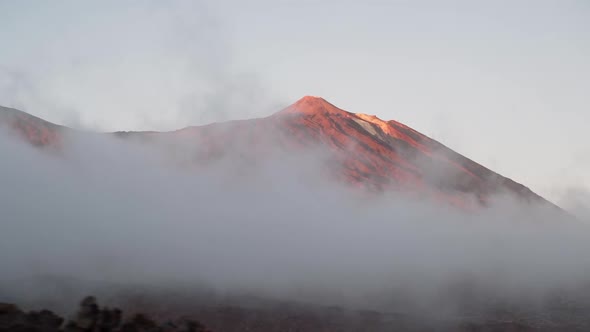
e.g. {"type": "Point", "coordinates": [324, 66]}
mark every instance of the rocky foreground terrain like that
{"type": "Point", "coordinates": [90, 317]}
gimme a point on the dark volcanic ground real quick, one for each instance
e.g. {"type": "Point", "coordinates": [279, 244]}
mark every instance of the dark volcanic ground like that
{"type": "Point", "coordinates": [171, 310]}
{"type": "Point", "coordinates": [288, 317]}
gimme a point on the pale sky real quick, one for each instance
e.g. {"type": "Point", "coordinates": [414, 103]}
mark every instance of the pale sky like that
{"type": "Point", "coordinates": [505, 83]}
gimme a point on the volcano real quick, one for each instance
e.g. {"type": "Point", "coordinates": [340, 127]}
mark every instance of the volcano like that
{"type": "Point", "coordinates": [370, 153]}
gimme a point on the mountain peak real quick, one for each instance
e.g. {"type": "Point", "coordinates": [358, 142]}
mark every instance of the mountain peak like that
{"type": "Point", "coordinates": [310, 98]}
{"type": "Point", "coordinates": [313, 105]}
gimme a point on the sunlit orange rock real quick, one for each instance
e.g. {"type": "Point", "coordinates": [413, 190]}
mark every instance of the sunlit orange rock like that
{"type": "Point", "coordinates": [370, 153]}
{"type": "Point", "coordinates": [36, 131]}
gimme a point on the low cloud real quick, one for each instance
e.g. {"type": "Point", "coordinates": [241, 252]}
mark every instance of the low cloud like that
{"type": "Point", "coordinates": [115, 211]}
{"type": "Point", "coordinates": [577, 201]}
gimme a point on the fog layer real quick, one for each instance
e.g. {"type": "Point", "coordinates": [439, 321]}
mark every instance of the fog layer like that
{"type": "Point", "coordinates": [113, 211]}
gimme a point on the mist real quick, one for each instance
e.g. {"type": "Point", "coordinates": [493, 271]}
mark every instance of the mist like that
{"type": "Point", "coordinates": [97, 76]}
{"type": "Point", "coordinates": [107, 210]}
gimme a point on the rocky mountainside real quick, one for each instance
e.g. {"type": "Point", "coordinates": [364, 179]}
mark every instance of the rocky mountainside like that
{"type": "Point", "coordinates": [366, 151]}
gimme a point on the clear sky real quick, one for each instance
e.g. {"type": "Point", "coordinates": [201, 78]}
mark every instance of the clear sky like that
{"type": "Point", "coordinates": [506, 83]}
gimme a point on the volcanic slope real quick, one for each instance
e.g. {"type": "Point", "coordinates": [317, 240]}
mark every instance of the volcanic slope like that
{"type": "Point", "coordinates": [367, 152]}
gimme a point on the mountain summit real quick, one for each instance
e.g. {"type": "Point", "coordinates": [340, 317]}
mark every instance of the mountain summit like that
{"type": "Point", "coordinates": [370, 152]}
{"type": "Point", "coordinates": [313, 105]}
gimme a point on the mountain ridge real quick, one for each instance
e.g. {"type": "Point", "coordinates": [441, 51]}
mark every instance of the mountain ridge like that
{"type": "Point", "coordinates": [380, 155]}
